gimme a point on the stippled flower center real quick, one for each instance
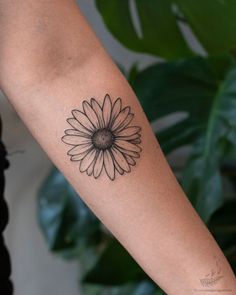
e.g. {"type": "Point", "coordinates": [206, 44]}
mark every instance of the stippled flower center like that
{"type": "Point", "coordinates": [103, 139]}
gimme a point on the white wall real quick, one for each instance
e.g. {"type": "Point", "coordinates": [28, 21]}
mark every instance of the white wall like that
{"type": "Point", "coordinates": [35, 270]}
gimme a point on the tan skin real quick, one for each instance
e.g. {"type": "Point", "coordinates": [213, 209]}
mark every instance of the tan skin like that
{"type": "Point", "coordinates": [50, 61]}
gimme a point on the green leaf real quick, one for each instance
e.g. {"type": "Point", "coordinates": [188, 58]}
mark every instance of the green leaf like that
{"type": "Point", "coordinates": [180, 86]}
{"type": "Point", "coordinates": [66, 222]}
{"type": "Point", "coordinates": [160, 34]}
{"type": "Point", "coordinates": [202, 176]}
{"type": "Point", "coordinates": [202, 180]}
{"type": "Point", "coordinates": [114, 267]}
{"type": "Point", "coordinates": [213, 23]}
{"type": "Point", "coordinates": [204, 90]}
{"type": "Point", "coordinates": [116, 15]}
{"type": "Point", "coordinates": [223, 221]}
{"type": "Point", "coordinates": [186, 86]}
{"type": "Point", "coordinates": [132, 74]}
{"type": "Point", "coordinates": [178, 135]}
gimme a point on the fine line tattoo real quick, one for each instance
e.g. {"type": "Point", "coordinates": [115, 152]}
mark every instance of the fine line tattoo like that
{"type": "Point", "coordinates": [102, 138]}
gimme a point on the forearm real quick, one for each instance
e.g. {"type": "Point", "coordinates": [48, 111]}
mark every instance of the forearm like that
{"type": "Point", "coordinates": [42, 39]}
{"type": "Point", "coordinates": [144, 207]}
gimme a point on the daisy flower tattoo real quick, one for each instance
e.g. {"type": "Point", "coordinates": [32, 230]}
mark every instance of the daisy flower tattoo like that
{"type": "Point", "coordinates": [103, 138]}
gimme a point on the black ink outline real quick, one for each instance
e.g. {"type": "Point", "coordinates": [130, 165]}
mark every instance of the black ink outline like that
{"type": "Point", "coordinates": [121, 152]}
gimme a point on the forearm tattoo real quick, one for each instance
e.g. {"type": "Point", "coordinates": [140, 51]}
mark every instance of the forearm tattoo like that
{"type": "Point", "coordinates": [103, 138]}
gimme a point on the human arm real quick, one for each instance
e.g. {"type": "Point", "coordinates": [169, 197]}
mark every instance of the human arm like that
{"type": "Point", "coordinates": [50, 62]}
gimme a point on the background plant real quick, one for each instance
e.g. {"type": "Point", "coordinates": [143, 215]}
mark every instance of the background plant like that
{"type": "Point", "coordinates": [199, 84]}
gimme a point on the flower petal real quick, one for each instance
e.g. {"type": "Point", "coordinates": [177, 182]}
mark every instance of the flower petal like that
{"type": "Point", "coordinates": [130, 160]}
{"type": "Point", "coordinates": [120, 118]}
{"type": "Point", "coordinates": [98, 110]}
{"type": "Point", "coordinates": [115, 110]}
{"type": "Point", "coordinates": [118, 169]}
{"type": "Point", "coordinates": [90, 113]}
{"type": "Point", "coordinates": [83, 120]}
{"type": "Point", "coordinates": [79, 149]}
{"type": "Point", "coordinates": [130, 138]}
{"type": "Point", "coordinates": [98, 165]}
{"type": "Point", "coordinates": [136, 141]}
{"type": "Point", "coordinates": [89, 171]}
{"type": "Point", "coordinates": [109, 164]}
{"type": "Point", "coordinates": [76, 132]}
{"type": "Point", "coordinates": [75, 124]}
{"type": "Point", "coordinates": [76, 140]}
{"type": "Point", "coordinates": [126, 145]}
{"type": "Point", "coordinates": [79, 157]}
{"type": "Point", "coordinates": [87, 160]}
{"type": "Point", "coordinates": [127, 152]}
{"type": "Point", "coordinates": [129, 131]}
{"type": "Point", "coordinates": [120, 159]}
{"type": "Point", "coordinates": [106, 110]}
{"type": "Point", "coordinates": [126, 122]}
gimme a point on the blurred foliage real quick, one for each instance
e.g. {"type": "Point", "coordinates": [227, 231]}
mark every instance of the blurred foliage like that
{"type": "Point", "coordinates": [201, 85]}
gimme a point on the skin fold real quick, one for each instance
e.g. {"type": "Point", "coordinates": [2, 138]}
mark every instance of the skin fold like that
{"type": "Point", "coordinates": [50, 63]}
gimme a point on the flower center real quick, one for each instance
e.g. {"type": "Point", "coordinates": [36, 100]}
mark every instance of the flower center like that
{"type": "Point", "coordinates": [103, 139]}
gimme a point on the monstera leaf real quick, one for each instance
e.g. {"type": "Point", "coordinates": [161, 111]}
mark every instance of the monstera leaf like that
{"type": "Point", "coordinates": [211, 21]}
{"type": "Point", "coordinates": [160, 34]}
{"type": "Point", "coordinates": [205, 91]}
{"type": "Point", "coordinates": [158, 22]}
{"type": "Point", "coordinates": [66, 222]}
{"type": "Point", "coordinates": [109, 268]}
{"type": "Point", "coordinates": [118, 270]}
{"type": "Point", "coordinates": [204, 185]}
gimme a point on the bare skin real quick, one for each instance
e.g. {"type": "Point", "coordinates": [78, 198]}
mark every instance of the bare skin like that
{"type": "Point", "coordinates": [50, 63]}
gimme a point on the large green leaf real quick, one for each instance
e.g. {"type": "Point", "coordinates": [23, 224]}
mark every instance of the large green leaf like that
{"type": "Point", "coordinates": [204, 90]}
{"type": "Point", "coordinates": [66, 222]}
{"type": "Point", "coordinates": [186, 86]}
{"type": "Point", "coordinates": [109, 269]}
{"type": "Point", "coordinates": [179, 86]}
{"type": "Point", "coordinates": [160, 34]}
{"type": "Point", "coordinates": [202, 174]}
{"type": "Point", "coordinates": [213, 22]}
